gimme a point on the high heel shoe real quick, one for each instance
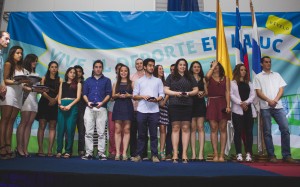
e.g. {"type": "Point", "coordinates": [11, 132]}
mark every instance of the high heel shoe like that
{"type": "Point", "coordinates": [18, 154]}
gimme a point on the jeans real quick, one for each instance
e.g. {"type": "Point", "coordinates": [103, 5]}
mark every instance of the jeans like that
{"type": "Point", "coordinates": [280, 118]}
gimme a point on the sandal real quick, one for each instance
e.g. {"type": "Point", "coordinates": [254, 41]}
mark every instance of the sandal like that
{"type": "Point", "coordinates": [58, 155]}
{"type": "Point", "coordinates": [40, 154]}
{"type": "Point", "coordinates": [66, 155]}
{"type": "Point", "coordinates": [124, 157]}
{"type": "Point", "coordinates": [117, 157]}
{"type": "Point", "coordinates": [49, 155]}
{"type": "Point", "coordinates": [3, 156]}
{"type": "Point", "coordinates": [9, 153]}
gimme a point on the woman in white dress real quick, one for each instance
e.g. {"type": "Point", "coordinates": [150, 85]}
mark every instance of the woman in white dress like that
{"type": "Point", "coordinates": [28, 110]}
{"type": "Point", "coordinates": [13, 101]}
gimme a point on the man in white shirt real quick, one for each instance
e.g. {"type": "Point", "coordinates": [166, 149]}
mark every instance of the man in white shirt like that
{"type": "Point", "coordinates": [269, 87]}
{"type": "Point", "coordinates": [4, 41]}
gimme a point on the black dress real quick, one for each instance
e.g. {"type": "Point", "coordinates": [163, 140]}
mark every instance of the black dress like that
{"type": "Point", "coordinates": [199, 105]}
{"type": "Point", "coordinates": [123, 108]}
{"type": "Point", "coordinates": [44, 110]}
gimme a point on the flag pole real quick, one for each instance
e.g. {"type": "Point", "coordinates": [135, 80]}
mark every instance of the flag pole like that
{"type": "Point", "coordinates": [217, 30]}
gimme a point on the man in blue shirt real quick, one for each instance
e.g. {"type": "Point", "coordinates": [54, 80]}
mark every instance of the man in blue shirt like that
{"type": "Point", "coordinates": [96, 93]}
{"type": "Point", "coordinates": [148, 90]}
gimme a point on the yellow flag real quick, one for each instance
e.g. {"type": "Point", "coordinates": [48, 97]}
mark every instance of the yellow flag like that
{"type": "Point", "coordinates": [222, 51]}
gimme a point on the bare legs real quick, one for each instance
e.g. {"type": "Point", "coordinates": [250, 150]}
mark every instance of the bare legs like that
{"type": "Point", "coordinates": [41, 131]}
{"type": "Point", "coordinates": [122, 128]}
{"type": "Point", "coordinates": [163, 135]}
{"type": "Point", "coordinates": [215, 127]}
{"type": "Point", "coordinates": [197, 124]}
{"type": "Point", "coordinates": [185, 130]}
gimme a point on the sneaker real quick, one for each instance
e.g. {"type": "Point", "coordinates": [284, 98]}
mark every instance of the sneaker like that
{"type": "Point", "coordinates": [136, 159]}
{"type": "Point", "coordinates": [155, 159]}
{"type": "Point", "coordinates": [273, 159]}
{"type": "Point", "coordinates": [248, 157]}
{"type": "Point", "coordinates": [169, 157]}
{"type": "Point", "coordinates": [87, 157]}
{"type": "Point", "coordinates": [289, 160]}
{"type": "Point", "coordinates": [102, 156]}
{"type": "Point", "coordinates": [239, 157]}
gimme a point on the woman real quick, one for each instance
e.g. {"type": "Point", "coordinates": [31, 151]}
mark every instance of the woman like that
{"type": "Point", "coordinates": [180, 86]}
{"type": "Point", "coordinates": [28, 110]}
{"type": "Point", "coordinates": [218, 107]}
{"type": "Point", "coordinates": [47, 108]}
{"type": "Point", "coordinates": [242, 95]}
{"type": "Point", "coordinates": [68, 96]}
{"type": "Point", "coordinates": [122, 111]}
{"type": "Point", "coordinates": [12, 104]}
{"type": "Point", "coordinates": [163, 110]}
{"type": "Point", "coordinates": [199, 111]}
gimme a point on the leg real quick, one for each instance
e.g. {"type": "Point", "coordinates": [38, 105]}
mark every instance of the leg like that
{"type": "Point", "coordinates": [118, 130]}
{"type": "Point", "coordinates": [267, 129]}
{"type": "Point", "coordinates": [52, 132]}
{"type": "Point", "coordinates": [111, 128]}
{"type": "Point", "coordinates": [175, 138]}
{"type": "Point", "coordinates": [162, 130]}
{"type": "Point", "coordinates": [201, 137]}
{"type": "Point", "coordinates": [28, 132]}
{"type": "Point", "coordinates": [193, 137]}
{"type": "Point", "coordinates": [126, 137]}
{"type": "Point", "coordinates": [40, 135]}
{"type": "Point", "coordinates": [89, 123]}
{"type": "Point", "coordinates": [223, 138]}
{"type": "Point", "coordinates": [101, 121]}
{"type": "Point", "coordinates": [25, 115]}
{"type": "Point", "coordinates": [133, 136]}
{"type": "Point", "coordinates": [238, 126]}
{"type": "Point", "coordinates": [60, 130]}
{"type": "Point", "coordinates": [185, 129]}
{"type": "Point", "coordinates": [153, 124]}
{"type": "Point", "coordinates": [214, 138]}
{"type": "Point", "coordinates": [9, 131]}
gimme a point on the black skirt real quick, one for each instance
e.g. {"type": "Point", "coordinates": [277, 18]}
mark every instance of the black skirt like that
{"type": "Point", "coordinates": [180, 113]}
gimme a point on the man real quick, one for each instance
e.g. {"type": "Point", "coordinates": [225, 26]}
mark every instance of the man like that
{"type": "Point", "coordinates": [4, 41]}
{"type": "Point", "coordinates": [97, 91]}
{"type": "Point", "coordinates": [133, 129]}
{"type": "Point", "coordinates": [148, 90]}
{"type": "Point", "coordinates": [269, 87]}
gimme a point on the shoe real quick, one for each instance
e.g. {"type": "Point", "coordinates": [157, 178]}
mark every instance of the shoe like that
{"type": "Point", "coordinates": [162, 157]}
{"type": "Point", "coordinates": [169, 157]}
{"type": "Point", "coordinates": [18, 154]}
{"type": "Point", "coordinates": [81, 153]}
{"type": "Point", "coordinates": [87, 157]}
{"type": "Point", "coordinates": [273, 159]}
{"type": "Point", "coordinates": [175, 160]}
{"type": "Point", "coordinates": [185, 161]}
{"type": "Point", "coordinates": [145, 158]}
{"type": "Point", "coordinates": [3, 156]}
{"type": "Point", "coordinates": [112, 157]}
{"type": "Point", "coordinates": [58, 155]}
{"type": "Point", "coordinates": [136, 159]}
{"type": "Point", "coordinates": [248, 157]}
{"type": "Point", "coordinates": [239, 157]}
{"type": "Point", "coordinates": [40, 154]}
{"type": "Point", "coordinates": [124, 157]}
{"type": "Point", "coordinates": [102, 156]}
{"type": "Point", "coordinates": [289, 160]}
{"type": "Point", "coordinates": [117, 158]}
{"type": "Point", "coordinates": [67, 155]}
{"type": "Point", "coordinates": [155, 159]}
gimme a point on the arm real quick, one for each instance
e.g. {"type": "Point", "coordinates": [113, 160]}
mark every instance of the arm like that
{"type": "Point", "coordinates": [78, 95]}
{"type": "Point", "coordinates": [211, 70]}
{"type": "Point", "coordinates": [194, 91]}
{"type": "Point", "coordinates": [114, 94]}
{"type": "Point", "coordinates": [7, 81]}
{"type": "Point", "coordinates": [227, 94]}
{"type": "Point", "coordinates": [59, 96]}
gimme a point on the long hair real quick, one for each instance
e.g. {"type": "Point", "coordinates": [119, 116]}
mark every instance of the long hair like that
{"type": "Point", "coordinates": [237, 74]}
{"type": "Point", "coordinates": [177, 76]}
{"type": "Point", "coordinates": [28, 61]}
{"type": "Point", "coordinates": [155, 74]}
{"type": "Point", "coordinates": [11, 60]}
{"type": "Point", "coordinates": [201, 74]}
{"type": "Point", "coordinates": [74, 82]}
{"type": "Point", "coordinates": [129, 82]}
{"type": "Point", "coordinates": [221, 70]}
{"type": "Point", "coordinates": [47, 76]}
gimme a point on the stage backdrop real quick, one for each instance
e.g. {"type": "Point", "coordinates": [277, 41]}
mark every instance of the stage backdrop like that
{"type": "Point", "coordinates": [79, 38]}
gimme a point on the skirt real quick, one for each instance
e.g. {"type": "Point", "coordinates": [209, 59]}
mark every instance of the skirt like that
{"type": "Point", "coordinates": [180, 113]}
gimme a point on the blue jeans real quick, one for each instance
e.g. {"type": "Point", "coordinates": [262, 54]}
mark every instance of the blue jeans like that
{"type": "Point", "coordinates": [280, 118]}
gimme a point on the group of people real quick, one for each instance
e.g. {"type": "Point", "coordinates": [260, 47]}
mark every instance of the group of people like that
{"type": "Point", "coordinates": [135, 106]}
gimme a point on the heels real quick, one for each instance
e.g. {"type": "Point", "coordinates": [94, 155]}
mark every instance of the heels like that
{"type": "Point", "coordinates": [185, 161]}
{"type": "Point", "coordinates": [18, 154]}
{"type": "Point", "coordinates": [175, 160]}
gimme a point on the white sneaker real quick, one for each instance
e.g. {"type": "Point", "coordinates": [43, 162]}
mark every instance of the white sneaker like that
{"type": "Point", "coordinates": [248, 157]}
{"type": "Point", "coordinates": [239, 157]}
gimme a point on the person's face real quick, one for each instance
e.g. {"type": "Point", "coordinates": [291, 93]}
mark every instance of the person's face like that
{"type": "Point", "coordinates": [98, 69]}
{"type": "Point", "coordinates": [181, 67]}
{"type": "Point", "coordinates": [150, 67]}
{"type": "Point", "coordinates": [79, 72]}
{"type": "Point", "coordinates": [18, 55]}
{"type": "Point", "coordinates": [196, 68]}
{"type": "Point", "coordinates": [243, 71]}
{"type": "Point", "coordinates": [139, 65]}
{"type": "Point", "coordinates": [53, 68]}
{"type": "Point", "coordinates": [160, 71]}
{"type": "Point", "coordinates": [4, 40]}
{"type": "Point", "coordinates": [71, 74]}
{"type": "Point", "coordinates": [172, 69]}
{"type": "Point", "coordinates": [266, 64]}
{"type": "Point", "coordinates": [34, 63]}
{"type": "Point", "coordinates": [123, 72]}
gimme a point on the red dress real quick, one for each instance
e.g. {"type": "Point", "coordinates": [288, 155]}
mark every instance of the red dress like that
{"type": "Point", "coordinates": [216, 101]}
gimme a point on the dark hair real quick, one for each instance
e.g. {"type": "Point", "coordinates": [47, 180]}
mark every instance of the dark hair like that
{"type": "Point", "coordinates": [147, 60]}
{"type": "Point", "coordinates": [28, 61]}
{"type": "Point", "coordinates": [10, 59]}
{"type": "Point", "coordinates": [201, 74]}
{"type": "Point", "coordinates": [129, 82]}
{"type": "Point", "coordinates": [221, 70]}
{"type": "Point", "coordinates": [47, 76]}
{"type": "Point", "coordinates": [176, 75]}
{"type": "Point", "coordinates": [74, 82]}
{"type": "Point", "coordinates": [237, 74]}
{"type": "Point", "coordinates": [117, 65]}
{"type": "Point", "coordinates": [155, 73]}
{"type": "Point", "coordinates": [96, 62]}
{"type": "Point", "coordinates": [79, 67]}
{"type": "Point", "coordinates": [263, 58]}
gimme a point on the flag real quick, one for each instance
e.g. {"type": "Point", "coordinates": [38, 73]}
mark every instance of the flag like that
{"type": "Point", "coordinates": [256, 54]}
{"type": "Point", "coordinates": [241, 51]}
{"type": "Point", "coordinates": [222, 51]}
